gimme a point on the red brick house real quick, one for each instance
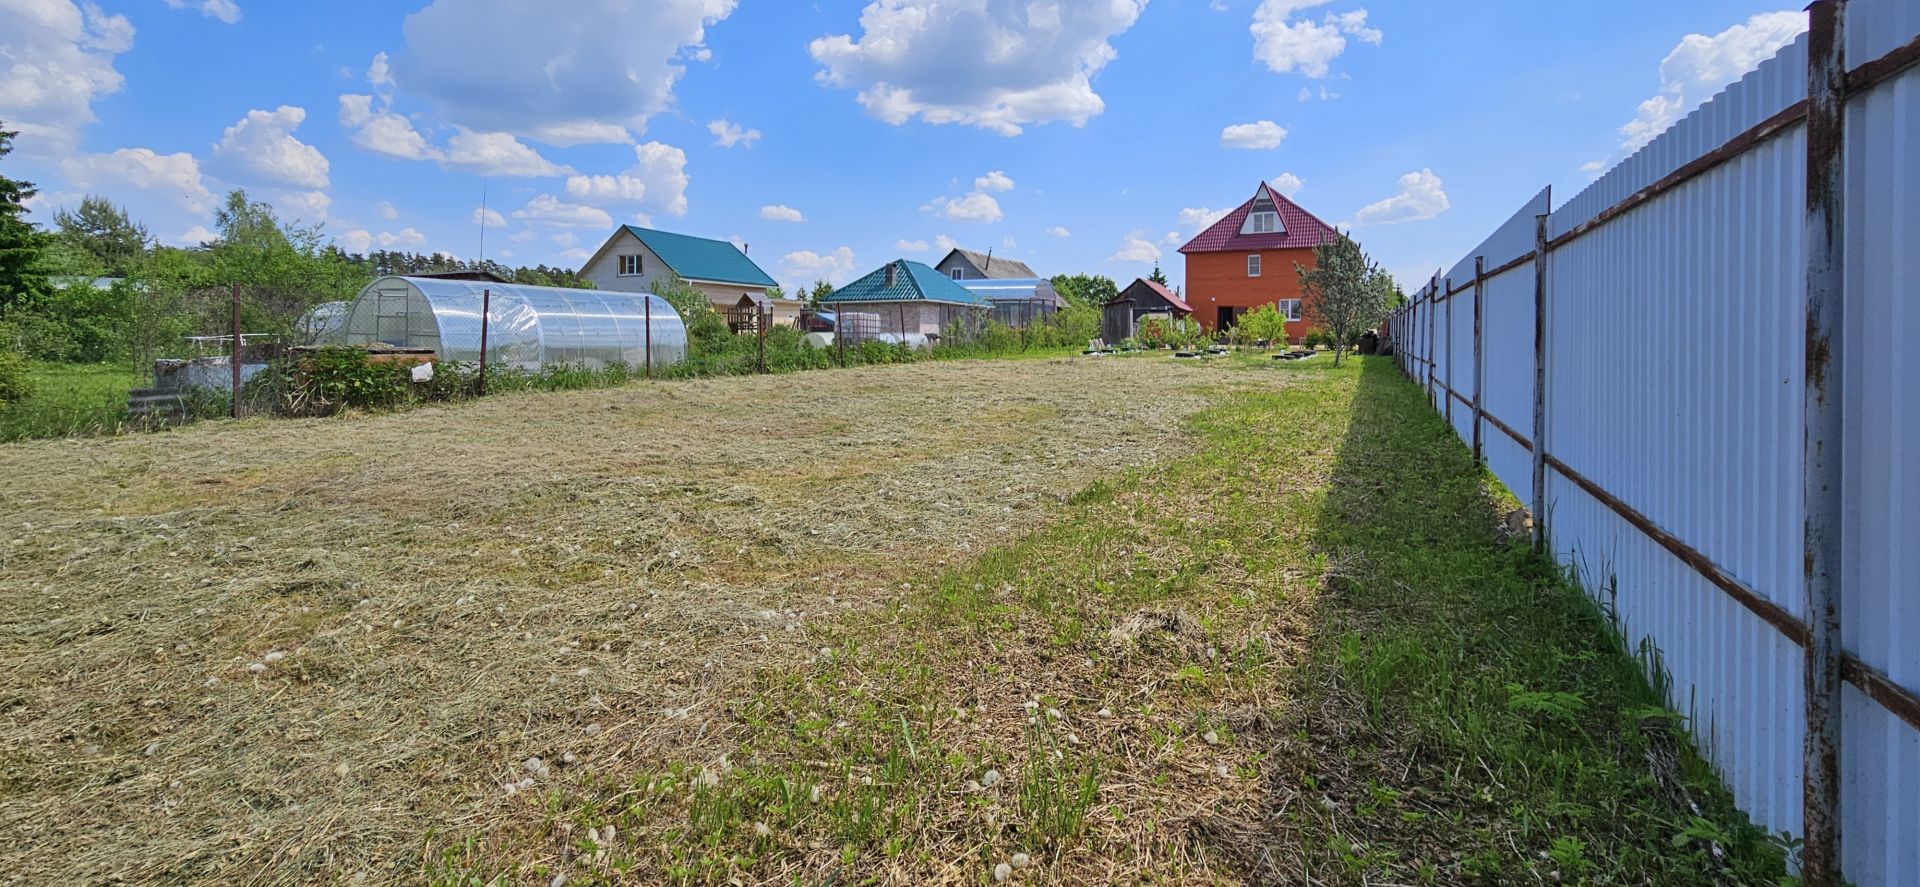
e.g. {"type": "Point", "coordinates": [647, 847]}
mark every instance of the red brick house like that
{"type": "Point", "coordinates": [1247, 260]}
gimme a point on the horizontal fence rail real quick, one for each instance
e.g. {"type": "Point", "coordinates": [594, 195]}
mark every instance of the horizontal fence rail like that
{"type": "Point", "coordinates": [1632, 366]}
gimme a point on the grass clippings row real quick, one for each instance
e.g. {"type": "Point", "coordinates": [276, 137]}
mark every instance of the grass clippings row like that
{"type": "Point", "coordinates": [283, 651]}
{"type": "Point", "coordinates": [1301, 655]}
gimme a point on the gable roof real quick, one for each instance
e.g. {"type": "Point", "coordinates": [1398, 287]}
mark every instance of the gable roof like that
{"type": "Point", "coordinates": [1299, 229]}
{"type": "Point", "coordinates": [697, 258]}
{"type": "Point", "coordinates": [1155, 289]}
{"type": "Point", "coordinates": [993, 268]}
{"type": "Point", "coordinates": [912, 282]}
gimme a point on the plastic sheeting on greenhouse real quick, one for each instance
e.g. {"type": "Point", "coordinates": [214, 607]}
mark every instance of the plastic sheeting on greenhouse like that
{"type": "Point", "coordinates": [528, 327]}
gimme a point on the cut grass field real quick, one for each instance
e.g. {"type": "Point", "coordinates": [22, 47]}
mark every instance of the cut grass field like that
{"type": "Point", "coordinates": [69, 400]}
{"type": "Point", "coordinates": [1093, 620]}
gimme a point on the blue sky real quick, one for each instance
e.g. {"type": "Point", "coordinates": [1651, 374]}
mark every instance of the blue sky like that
{"type": "Point", "coordinates": [829, 137]}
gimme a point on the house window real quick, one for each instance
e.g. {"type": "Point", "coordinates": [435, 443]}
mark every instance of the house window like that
{"type": "Point", "coordinates": [1264, 223]}
{"type": "Point", "coordinates": [1290, 309]}
{"type": "Point", "coordinates": [1253, 265]}
{"type": "Point", "coordinates": [629, 266]}
{"type": "Point", "coordinates": [958, 273]}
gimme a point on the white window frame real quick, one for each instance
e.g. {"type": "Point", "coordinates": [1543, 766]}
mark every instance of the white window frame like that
{"type": "Point", "coordinates": [639, 267]}
{"type": "Point", "coordinates": [1265, 223]}
{"type": "Point", "coordinates": [958, 274]}
{"type": "Point", "coordinates": [1253, 265]}
{"type": "Point", "coordinates": [1290, 309]}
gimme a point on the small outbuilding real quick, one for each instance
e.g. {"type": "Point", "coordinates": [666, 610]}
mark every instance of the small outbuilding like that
{"type": "Point", "coordinates": [904, 301]}
{"type": "Point", "coordinates": [1017, 302]}
{"type": "Point", "coordinates": [527, 326]}
{"type": "Point", "coordinates": [1141, 299]}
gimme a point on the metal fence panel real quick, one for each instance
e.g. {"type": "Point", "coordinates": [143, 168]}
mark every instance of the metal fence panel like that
{"type": "Point", "coordinates": [1675, 301]}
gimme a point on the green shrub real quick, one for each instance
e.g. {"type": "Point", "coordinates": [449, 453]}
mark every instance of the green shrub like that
{"type": "Point", "coordinates": [16, 383]}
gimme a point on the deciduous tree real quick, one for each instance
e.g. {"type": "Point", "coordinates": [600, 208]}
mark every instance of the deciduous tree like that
{"type": "Point", "coordinates": [1346, 293]}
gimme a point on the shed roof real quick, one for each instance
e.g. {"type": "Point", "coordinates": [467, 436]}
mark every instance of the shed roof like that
{"type": "Point", "coordinates": [1024, 289]}
{"type": "Point", "coordinates": [993, 268]}
{"type": "Point", "coordinates": [1299, 229]}
{"type": "Point", "coordinates": [1132, 290]}
{"type": "Point", "coordinates": [912, 282]}
{"type": "Point", "coordinates": [698, 258]}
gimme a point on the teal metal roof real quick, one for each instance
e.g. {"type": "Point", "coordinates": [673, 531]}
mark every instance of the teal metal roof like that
{"type": "Point", "coordinates": [697, 258]}
{"type": "Point", "coordinates": [912, 282]}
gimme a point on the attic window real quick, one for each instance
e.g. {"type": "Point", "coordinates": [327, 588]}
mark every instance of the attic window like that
{"type": "Point", "coordinates": [958, 273]}
{"type": "Point", "coordinates": [630, 266]}
{"type": "Point", "coordinates": [1263, 223]}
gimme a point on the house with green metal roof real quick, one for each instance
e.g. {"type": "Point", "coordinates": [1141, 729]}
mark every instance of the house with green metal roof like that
{"type": "Point", "coordinates": [634, 259]}
{"type": "Point", "coordinates": [904, 301]}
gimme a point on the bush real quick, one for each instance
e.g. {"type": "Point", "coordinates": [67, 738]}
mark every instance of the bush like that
{"type": "Point", "coordinates": [16, 382]}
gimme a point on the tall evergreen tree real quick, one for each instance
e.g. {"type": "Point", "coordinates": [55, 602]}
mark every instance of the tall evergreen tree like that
{"type": "Point", "coordinates": [1158, 276]}
{"type": "Point", "coordinates": [104, 231]}
{"type": "Point", "coordinates": [23, 280]}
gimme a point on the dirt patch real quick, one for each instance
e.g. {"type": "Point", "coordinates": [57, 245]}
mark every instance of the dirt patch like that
{"type": "Point", "coordinates": [285, 650]}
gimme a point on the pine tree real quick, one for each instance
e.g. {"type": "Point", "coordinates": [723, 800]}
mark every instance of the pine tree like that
{"type": "Point", "coordinates": [23, 280]}
{"type": "Point", "coordinates": [1158, 276]}
{"type": "Point", "coordinates": [104, 231]}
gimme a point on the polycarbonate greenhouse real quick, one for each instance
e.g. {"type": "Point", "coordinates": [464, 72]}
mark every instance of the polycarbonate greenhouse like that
{"type": "Point", "coordinates": [528, 327]}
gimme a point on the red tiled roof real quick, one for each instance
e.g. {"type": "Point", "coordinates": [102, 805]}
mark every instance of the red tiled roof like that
{"type": "Point", "coordinates": [1301, 229]}
{"type": "Point", "coordinates": [1163, 292]}
{"type": "Point", "coordinates": [1168, 295]}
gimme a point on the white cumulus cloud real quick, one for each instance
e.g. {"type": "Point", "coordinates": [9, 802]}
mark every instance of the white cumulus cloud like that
{"type": "Point", "coordinates": [975, 206]}
{"type": "Point", "coordinates": [488, 218]}
{"type": "Point", "coordinates": [1701, 66]}
{"type": "Point", "coordinates": [1260, 135]}
{"type": "Point", "coordinates": [910, 246]}
{"type": "Point", "coordinates": [384, 132]}
{"type": "Point", "coordinates": [993, 181]}
{"type": "Point", "coordinates": [224, 10]}
{"type": "Point", "coordinates": [56, 59]}
{"type": "Point", "coordinates": [592, 67]}
{"type": "Point", "coordinates": [658, 178]}
{"type": "Point", "coordinates": [171, 179]}
{"type": "Point", "coordinates": [1286, 44]}
{"type": "Point", "coordinates": [1136, 248]}
{"type": "Point", "coordinates": [498, 154]}
{"type": "Point", "coordinates": [780, 213]}
{"type": "Point", "coordinates": [801, 268]}
{"type": "Point", "coordinates": [1058, 231]}
{"type": "Point", "coordinates": [547, 209]}
{"type": "Point", "coordinates": [1199, 218]}
{"type": "Point", "coordinates": [1288, 184]}
{"type": "Point", "coordinates": [994, 64]}
{"type": "Point", "coordinates": [261, 149]}
{"type": "Point", "coordinates": [727, 134]}
{"type": "Point", "coordinates": [1422, 196]}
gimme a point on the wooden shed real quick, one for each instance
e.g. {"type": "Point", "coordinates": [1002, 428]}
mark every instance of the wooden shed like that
{"type": "Point", "coordinates": [1141, 299]}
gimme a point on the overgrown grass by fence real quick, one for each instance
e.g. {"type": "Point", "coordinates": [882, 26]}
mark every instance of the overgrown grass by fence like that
{"type": "Point", "coordinates": [69, 400]}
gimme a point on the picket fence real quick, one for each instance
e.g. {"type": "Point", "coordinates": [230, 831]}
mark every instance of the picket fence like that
{"type": "Point", "coordinates": [1634, 366]}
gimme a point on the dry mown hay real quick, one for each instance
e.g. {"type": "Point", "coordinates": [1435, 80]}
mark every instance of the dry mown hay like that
{"type": "Point", "coordinates": [274, 651]}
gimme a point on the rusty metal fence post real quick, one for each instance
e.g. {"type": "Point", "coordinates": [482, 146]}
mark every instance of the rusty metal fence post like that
{"type": "Point", "coordinates": [233, 402]}
{"type": "Point", "coordinates": [486, 314]}
{"type": "Point", "coordinates": [1540, 383]}
{"type": "Point", "coordinates": [1479, 359]}
{"type": "Point", "coordinates": [760, 320]}
{"type": "Point", "coordinates": [647, 300]}
{"type": "Point", "coordinates": [1824, 402]}
{"type": "Point", "coordinates": [1448, 394]}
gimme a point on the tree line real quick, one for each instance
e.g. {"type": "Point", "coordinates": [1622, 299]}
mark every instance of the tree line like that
{"type": "Point", "coordinates": [95, 286]}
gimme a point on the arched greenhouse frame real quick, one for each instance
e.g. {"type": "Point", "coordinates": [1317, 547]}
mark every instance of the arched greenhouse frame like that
{"type": "Point", "coordinates": [529, 326]}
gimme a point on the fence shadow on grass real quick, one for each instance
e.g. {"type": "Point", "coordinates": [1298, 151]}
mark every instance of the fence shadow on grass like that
{"type": "Point", "coordinates": [1465, 714]}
